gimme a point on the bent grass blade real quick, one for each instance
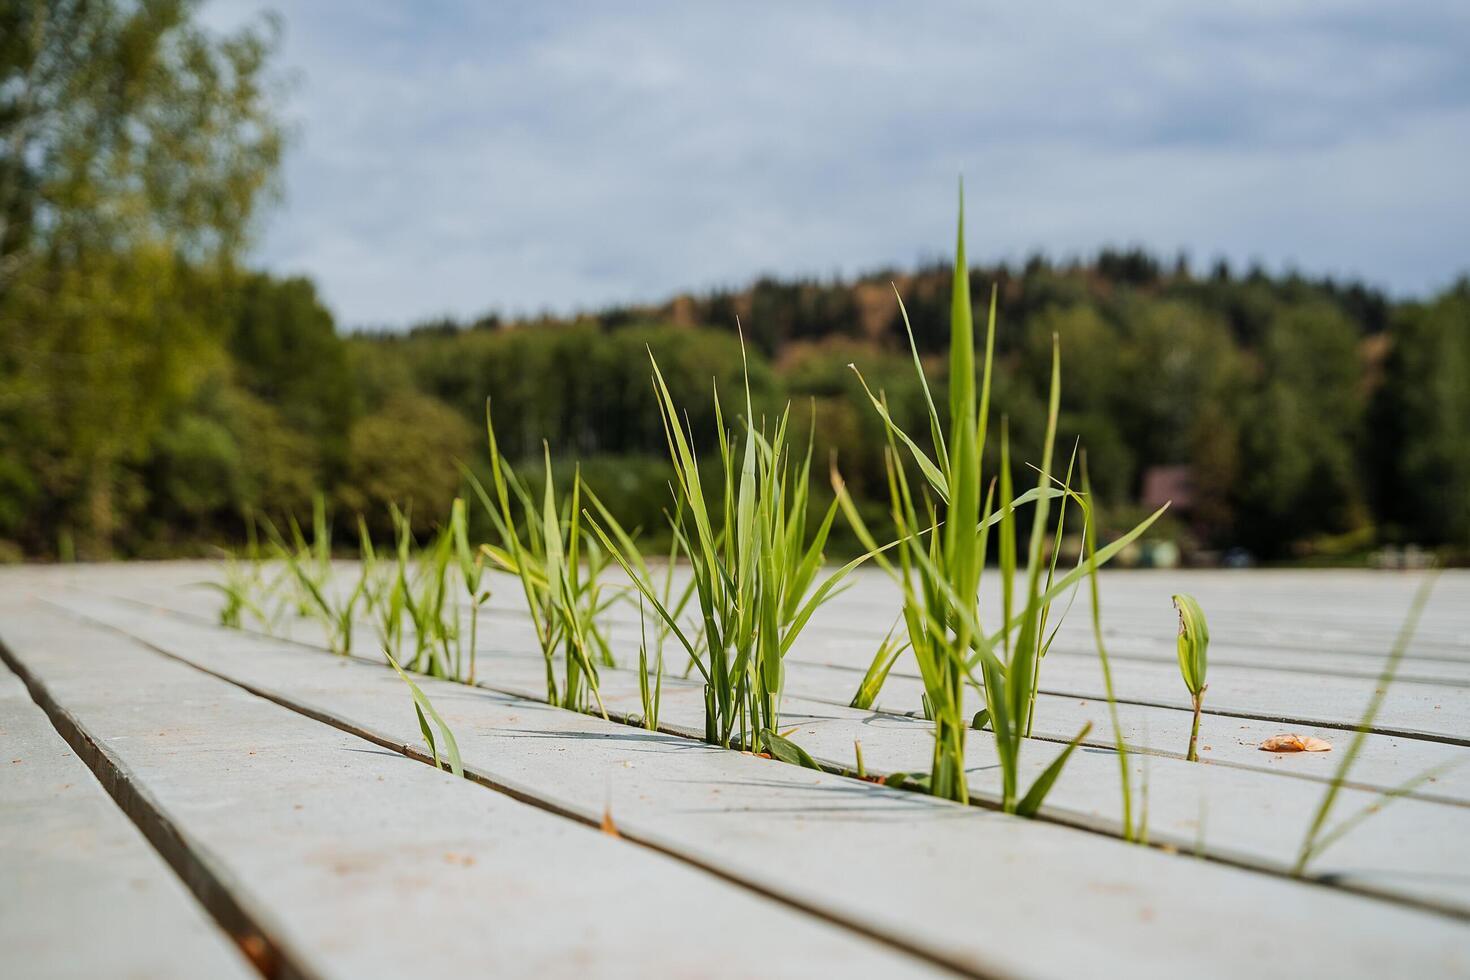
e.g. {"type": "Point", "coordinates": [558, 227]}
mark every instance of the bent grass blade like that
{"type": "Point", "coordinates": [423, 707]}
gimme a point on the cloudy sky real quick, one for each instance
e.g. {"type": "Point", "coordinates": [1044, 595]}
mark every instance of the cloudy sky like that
{"type": "Point", "coordinates": [461, 157]}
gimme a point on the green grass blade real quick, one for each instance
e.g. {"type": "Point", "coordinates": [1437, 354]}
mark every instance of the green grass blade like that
{"type": "Point", "coordinates": [1036, 795]}
{"type": "Point", "coordinates": [423, 706]}
{"type": "Point", "coordinates": [1310, 844]}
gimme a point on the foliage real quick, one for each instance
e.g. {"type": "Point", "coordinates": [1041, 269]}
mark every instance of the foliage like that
{"type": "Point", "coordinates": [286, 351]}
{"type": "Point", "coordinates": [943, 526]}
{"type": "Point", "coordinates": [542, 542]}
{"type": "Point", "coordinates": [405, 454]}
{"type": "Point", "coordinates": [754, 564]}
{"type": "Point", "coordinates": [1421, 421]}
{"type": "Point", "coordinates": [153, 392]}
{"type": "Point", "coordinates": [137, 149]}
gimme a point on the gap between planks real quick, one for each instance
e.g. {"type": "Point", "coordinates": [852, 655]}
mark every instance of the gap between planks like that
{"type": "Point", "coordinates": [1081, 815]}
{"type": "Point", "coordinates": [803, 653]}
{"type": "Point", "coordinates": [1382, 754]}
{"type": "Point", "coordinates": [666, 911]}
{"type": "Point", "coordinates": [1264, 914]}
{"type": "Point", "coordinates": [75, 865]}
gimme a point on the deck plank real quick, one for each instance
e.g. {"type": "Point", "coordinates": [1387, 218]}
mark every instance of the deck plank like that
{"type": "Point", "coordinates": [1238, 815]}
{"type": "Point", "coordinates": [1280, 701]}
{"type": "Point", "coordinates": [82, 894]}
{"type": "Point", "coordinates": [948, 877]}
{"type": "Point", "coordinates": [1386, 762]}
{"type": "Point", "coordinates": [359, 862]}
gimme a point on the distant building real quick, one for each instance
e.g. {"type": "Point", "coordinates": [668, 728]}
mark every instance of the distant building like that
{"type": "Point", "coordinates": [1166, 484]}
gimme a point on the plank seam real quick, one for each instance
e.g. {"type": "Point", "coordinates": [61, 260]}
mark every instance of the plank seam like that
{"type": "Point", "coordinates": [486, 781]}
{"type": "Point", "coordinates": [265, 953]}
{"type": "Point", "coordinates": [1463, 741]}
{"type": "Point", "coordinates": [1078, 823]}
{"type": "Point", "coordinates": [1208, 711]}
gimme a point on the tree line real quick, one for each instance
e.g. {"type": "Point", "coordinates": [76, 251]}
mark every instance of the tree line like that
{"type": "Point", "coordinates": [155, 393]}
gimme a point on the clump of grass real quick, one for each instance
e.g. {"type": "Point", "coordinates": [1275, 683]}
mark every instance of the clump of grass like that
{"type": "Point", "coordinates": [1194, 641]}
{"type": "Point", "coordinates": [544, 549]}
{"type": "Point", "coordinates": [884, 658]}
{"type": "Point", "coordinates": [1318, 837]}
{"type": "Point", "coordinates": [308, 564]}
{"type": "Point", "coordinates": [471, 573]}
{"type": "Point", "coordinates": [943, 531]}
{"type": "Point", "coordinates": [651, 692]}
{"type": "Point", "coordinates": [754, 563]}
{"type": "Point", "coordinates": [237, 592]}
{"type": "Point", "coordinates": [309, 568]}
{"type": "Point", "coordinates": [427, 600]}
{"type": "Point", "coordinates": [243, 580]}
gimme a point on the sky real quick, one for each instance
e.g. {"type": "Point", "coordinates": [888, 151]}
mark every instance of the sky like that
{"type": "Point", "coordinates": [457, 158]}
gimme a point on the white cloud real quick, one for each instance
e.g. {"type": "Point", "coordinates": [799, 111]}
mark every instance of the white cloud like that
{"type": "Point", "coordinates": [455, 158]}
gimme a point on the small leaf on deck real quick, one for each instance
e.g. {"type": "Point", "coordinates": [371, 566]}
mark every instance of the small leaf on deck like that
{"type": "Point", "coordinates": [607, 826]}
{"type": "Point", "coordinates": [1295, 743]}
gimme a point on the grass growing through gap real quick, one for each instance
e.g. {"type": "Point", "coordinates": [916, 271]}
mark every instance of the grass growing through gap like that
{"type": "Point", "coordinates": [243, 580]}
{"type": "Point", "coordinates": [877, 672]}
{"type": "Point", "coordinates": [1194, 642]}
{"type": "Point", "coordinates": [426, 599]}
{"type": "Point", "coordinates": [471, 574]}
{"type": "Point", "coordinates": [943, 529]}
{"type": "Point", "coordinates": [754, 563]}
{"type": "Point", "coordinates": [309, 567]}
{"type": "Point", "coordinates": [425, 710]}
{"type": "Point", "coordinates": [386, 595]}
{"type": "Point", "coordinates": [1318, 836]}
{"type": "Point", "coordinates": [651, 693]}
{"type": "Point", "coordinates": [544, 549]}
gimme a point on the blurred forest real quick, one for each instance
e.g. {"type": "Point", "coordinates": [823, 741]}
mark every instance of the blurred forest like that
{"type": "Point", "coordinates": [154, 391]}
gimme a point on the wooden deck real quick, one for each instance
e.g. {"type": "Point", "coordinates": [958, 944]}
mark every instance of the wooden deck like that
{"type": "Point", "coordinates": [181, 799]}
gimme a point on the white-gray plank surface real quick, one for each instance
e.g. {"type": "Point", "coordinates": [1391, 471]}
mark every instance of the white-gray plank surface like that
{"type": "Point", "coordinates": [359, 862]}
{"type": "Point", "coordinates": [82, 894]}
{"type": "Point", "coordinates": [975, 887]}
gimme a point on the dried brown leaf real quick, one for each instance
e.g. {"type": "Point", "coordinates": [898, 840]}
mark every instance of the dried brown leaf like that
{"type": "Point", "coordinates": [1295, 743]}
{"type": "Point", "coordinates": [608, 827]}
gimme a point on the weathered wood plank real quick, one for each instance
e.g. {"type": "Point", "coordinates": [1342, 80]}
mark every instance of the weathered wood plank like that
{"type": "Point", "coordinates": [1413, 710]}
{"type": "Point", "coordinates": [1249, 816]}
{"type": "Point", "coordinates": [359, 862]}
{"type": "Point", "coordinates": [1386, 762]}
{"type": "Point", "coordinates": [1291, 699]}
{"type": "Point", "coordinates": [1238, 815]}
{"type": "Point", "coordinates": [1359, 609]}
{"type": "Point", "coordinates": [82, 894]}
{"type": "Point", "coordinates": [1243, 638]}
{"type": "Point", "coordinates": [979, 887]}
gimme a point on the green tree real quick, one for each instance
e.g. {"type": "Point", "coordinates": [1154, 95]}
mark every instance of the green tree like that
{"type": "Point", "coordinates": [407, 453]}
{"type": "Point", "coordinates": [1302, 431]}
{"type": "Point", "coordinates": [287, 352]}
{"type": "Point", "coordinates": [1422, 421]}
{"type": "Point", "coordinates": [227, 454]}
{"type": "Point", "coordinates": [137, 148]}
{"type": "Point", "coordinates": [1093, 360]}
